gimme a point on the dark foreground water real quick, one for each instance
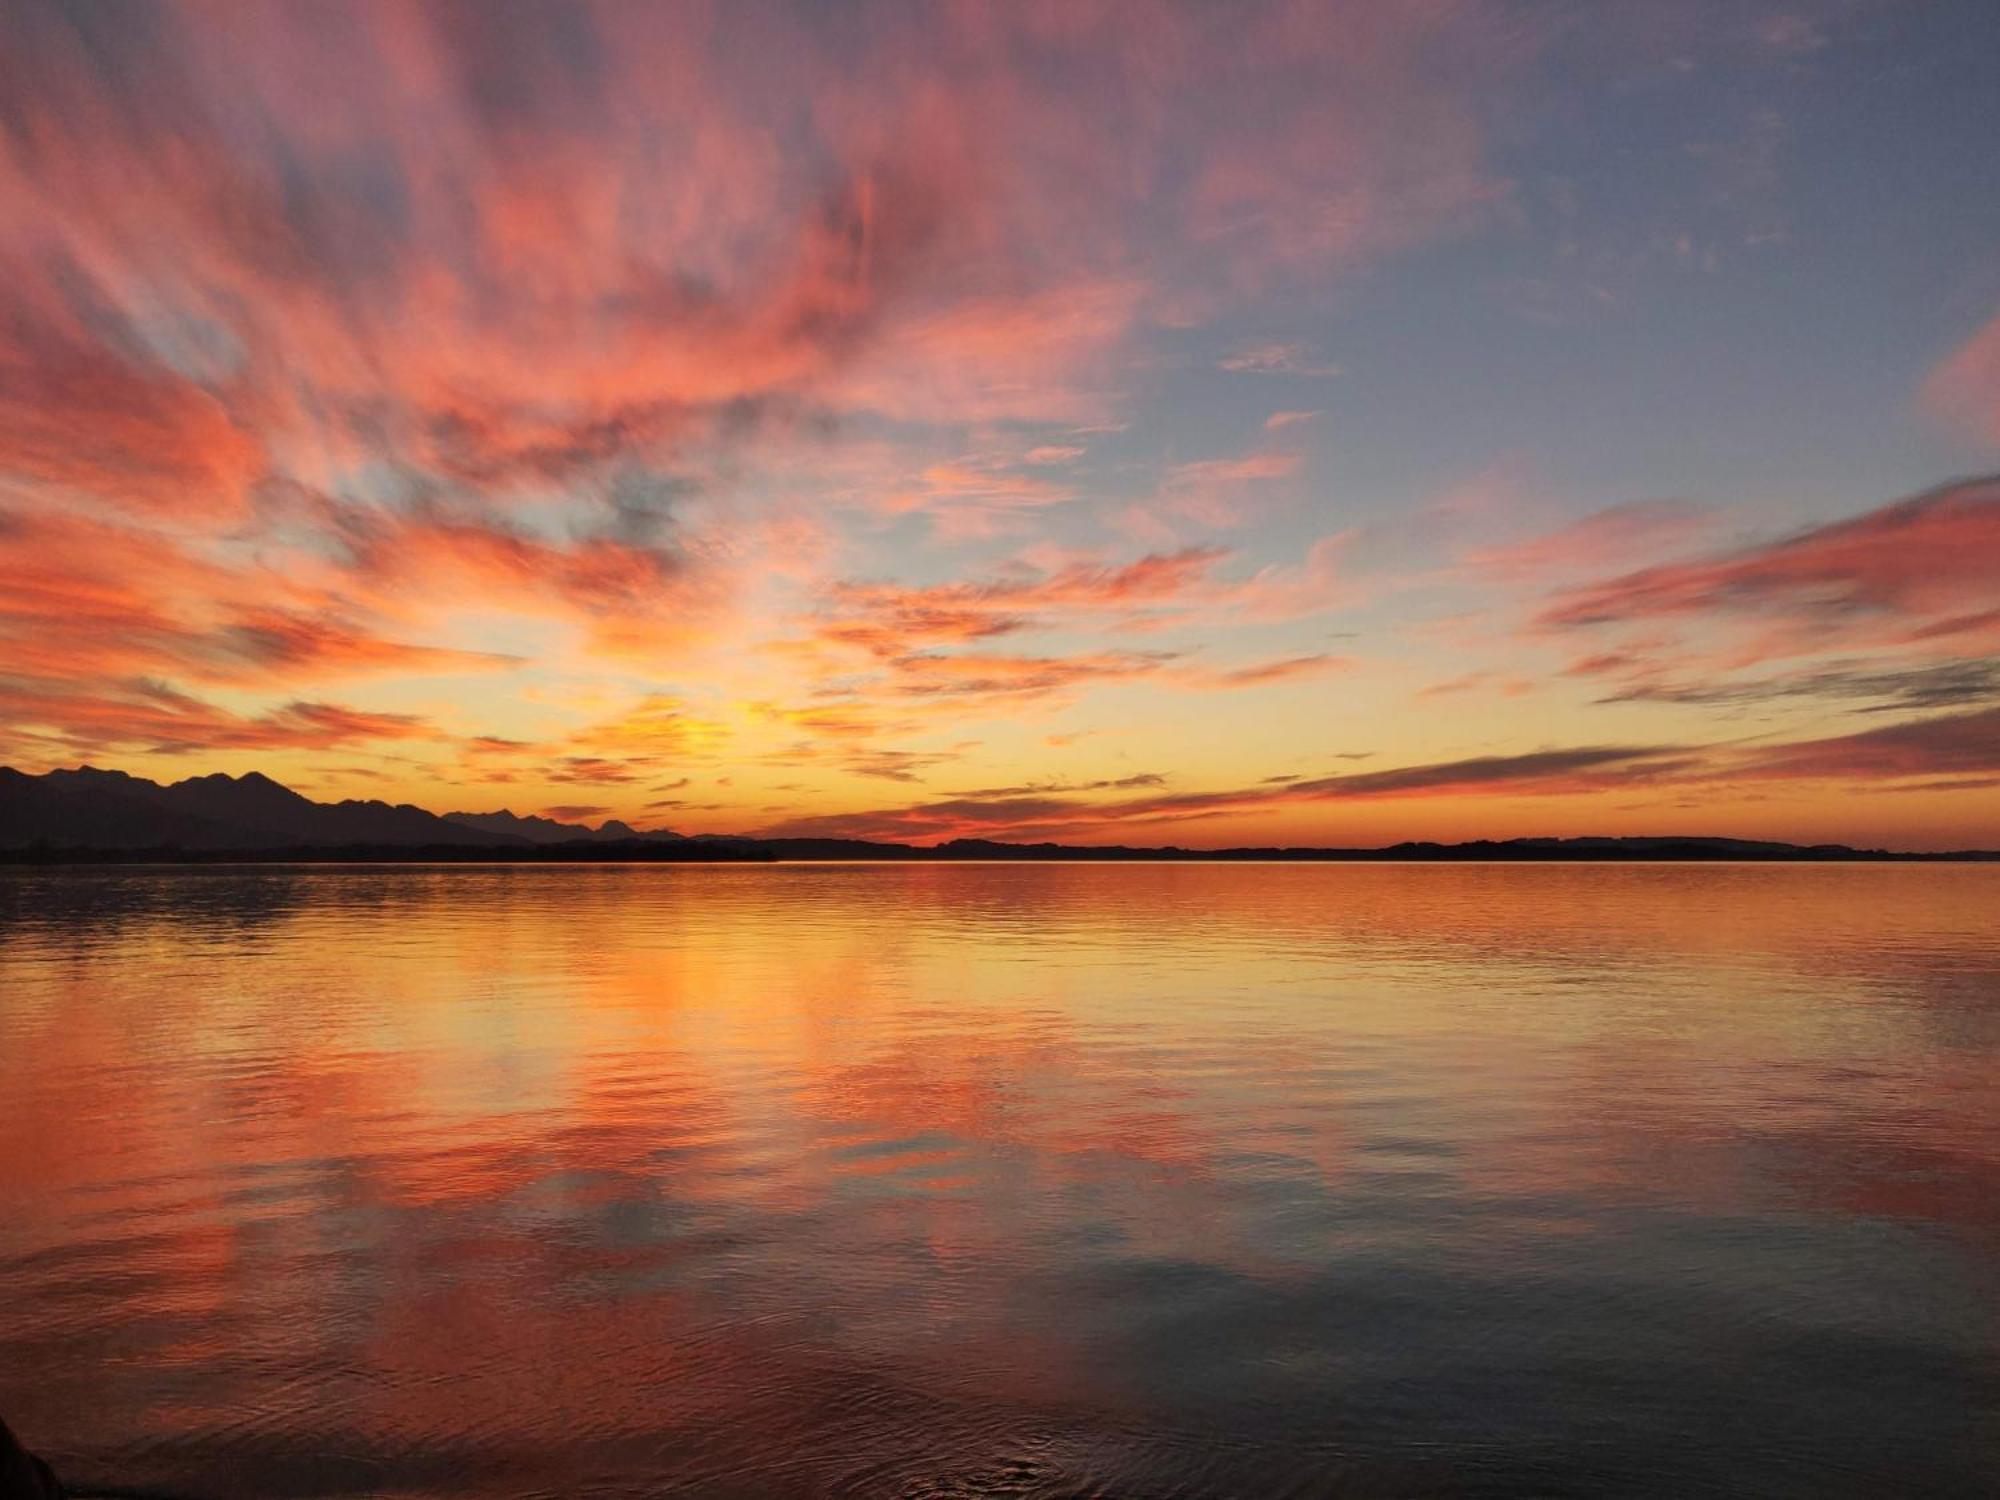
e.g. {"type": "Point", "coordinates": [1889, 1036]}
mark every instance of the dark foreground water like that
{"type": "Point", "coordinates": [1004, 1180]}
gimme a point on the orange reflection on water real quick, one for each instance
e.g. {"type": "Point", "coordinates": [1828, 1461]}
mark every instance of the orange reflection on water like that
{"type": "Point", "coordinates": [822, 1175]}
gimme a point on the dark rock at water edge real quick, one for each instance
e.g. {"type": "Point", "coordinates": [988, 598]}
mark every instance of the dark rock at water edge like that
{"type": "Point", "coordinates": [22, 1475]}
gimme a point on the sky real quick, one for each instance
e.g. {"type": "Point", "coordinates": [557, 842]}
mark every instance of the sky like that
{"type": "Point", "coordinates": [1322, 423]}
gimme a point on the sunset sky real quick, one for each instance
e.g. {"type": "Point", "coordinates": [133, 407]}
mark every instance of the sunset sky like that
{"type": "Point", "coordinates": [1311, 423]}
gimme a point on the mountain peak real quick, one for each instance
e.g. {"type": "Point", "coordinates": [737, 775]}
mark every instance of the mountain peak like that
{"type": "Point", "coordinates": [89, 774]}
{"type": "Point", "coordinates": [220, 791]}
{"type": "Point", "coordinates": [88, 808]}
{"type": "Point", "coordinates": [539, 830]}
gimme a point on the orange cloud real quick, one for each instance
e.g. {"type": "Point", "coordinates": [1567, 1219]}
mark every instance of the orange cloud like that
{"type": "Point", "coordinates": [93, 606]}
{"type": "Point", "coordinates": [1963, 748]}
{"type": "Point", "coordinates": [628, 598]}
{"type": "Point", "coordinates": [1284, 669]}
{"type": "Point", "coordinates": [359, 340]}
{"type": "Point", "coordinates": [43, 724]}
{"type": "Point", "coordinates": [889, 620]}
{"type": "Point", "coordinates": [346, 323]}
{"type": "Point", "coordinates": [93, 427]}
{"type": "Point", "coordinates": [979, 675]}
{"type": "Point", "coordinates": [1041, 815]}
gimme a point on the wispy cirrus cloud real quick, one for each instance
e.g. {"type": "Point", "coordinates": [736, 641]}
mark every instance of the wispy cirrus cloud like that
{"type": "Point", "coordinates": [1879, 604]}
{"type": "Point", "coordinates": [1279, 669]}
{"type": "Point", "coordinates": [1877, 689]}
{"type": "Point", "coordinates": [111, 633]}
{"type": "Point", "coordinates": [375, 320]}
{"type": "Point", "coordinates": [828, 391]}
{"type": "Point", "coordinates": [626, 598]}
{"type": "Point", "coordinates": [88, 597]}
{"type": "Point", "coordinates": [1964, 389]}
{"type": "Point", "coordinates": [1949, 745]}
{"type": "Point", "coordinates": [454, 259]}
{"type": "Point", "coordinates": [1039, 814]}
{"type": "Point", "coordinates": [1278, 359]}
{"type": "Point", "coordinates": [1606, 538]}
{"type": "Point", "coordinates": [887, 620]}
{"type": "Point", "coordinates": [1279, 420]}
{"type": "Point", "coordinates": [1962, 748]}
{"type": "Point", "coordinates": [40, 724]}
{"type": "Point", "coordinates": [939, 642]}
{"type": "Point", "coordinates": [988, 675]}
{"type": "Point", "coordinates": [1927, 560]}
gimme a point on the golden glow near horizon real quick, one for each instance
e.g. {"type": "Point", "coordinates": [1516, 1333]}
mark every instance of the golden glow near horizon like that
{"type": "Point", "coordinates": [1265, 424]}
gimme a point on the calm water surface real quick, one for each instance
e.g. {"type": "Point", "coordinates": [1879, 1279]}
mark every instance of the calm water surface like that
{"type": "Point", "coordinates": [1035, 1180]}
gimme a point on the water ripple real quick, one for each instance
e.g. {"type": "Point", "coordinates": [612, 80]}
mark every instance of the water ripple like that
{"type": "Point", "coordinates": [1036, 1181]}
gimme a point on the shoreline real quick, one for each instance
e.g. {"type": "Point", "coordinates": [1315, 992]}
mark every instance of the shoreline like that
{"type": "Point", "coordinates": [766, 854]}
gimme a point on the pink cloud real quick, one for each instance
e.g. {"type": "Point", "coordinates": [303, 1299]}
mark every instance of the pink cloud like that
{"type": "Point", "coordinates": [1955, 744]}
{"type": "Point", "coordinates": [1916, 564]}
{"type": "Point", "coordinates": [1608, 538]}
{"type": "Point", "coordinates": [41, 720]}
{"type": "Point", "coordinates": [1494, 682]}
{"type": "Point", "coordinates": [1965, 388]}
{"type": "Point", "coordinates": [1263, 674]}
{"type": "Point", "coordinates": [887, 618]}
{"type": "Point", "coordinates": [1876, 606]}
{"type": "Point", "coordinates": [1277, 359]}
{"type": "Point", "coordinates": [1229, 471]}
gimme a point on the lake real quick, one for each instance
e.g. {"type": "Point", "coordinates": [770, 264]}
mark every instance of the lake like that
{"type": "Point", "coordinates": [1003, 1179]}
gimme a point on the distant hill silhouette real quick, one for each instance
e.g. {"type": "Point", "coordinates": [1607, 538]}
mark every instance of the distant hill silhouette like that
{"type": "Point", "coordinates": [90, 814]}
{"type": "Point", "coordinates": [1526, 850]}
{"type": "Point", "coordinates": [538, 830]}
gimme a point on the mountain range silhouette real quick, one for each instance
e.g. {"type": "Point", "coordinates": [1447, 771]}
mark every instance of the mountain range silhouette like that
{"type": "Point", "coordinates": [92, 809]}
{"type": "Point", "coordinates": [90, 814]}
